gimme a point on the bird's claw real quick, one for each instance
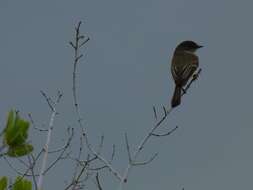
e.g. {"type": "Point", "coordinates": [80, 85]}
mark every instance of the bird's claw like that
{"type": "Point", "coordinates": [184, 91]}
{"type": "Point", "coordinates": [195, 77]}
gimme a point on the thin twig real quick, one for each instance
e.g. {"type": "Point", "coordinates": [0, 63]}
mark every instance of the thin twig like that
{"type": "Point", "coordinates": [101, 144]}
{"type": "Point", "coordinates": [14, 168]}
{"type": "Point", "coordinates": [145, 162]}
{"type": "Point", "coordinates": [165, 134]}
{"type": "Point", "coordinates": [155, 114]}
{"type": "Point", "coordinates": [33, 123]}
{"type": "Point", "coordinates": [66, 145]}
{"type": "Point", "coordinates": [98, 182]}
{"type": "Point", "coordinates": [113, 152]}
{"type": "Point", "coordinates": [32, 164]}
{"type": "Point", "coordinates": [23, 162]}
{"type": "Point", "coordinates": [128, 150]}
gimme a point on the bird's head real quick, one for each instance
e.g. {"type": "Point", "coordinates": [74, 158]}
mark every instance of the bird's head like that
{"type": "Point", "coordinates": [188, 46]}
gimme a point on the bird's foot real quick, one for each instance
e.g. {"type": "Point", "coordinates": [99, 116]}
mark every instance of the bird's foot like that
{"type": "Point", "coordinates": [184, 90]}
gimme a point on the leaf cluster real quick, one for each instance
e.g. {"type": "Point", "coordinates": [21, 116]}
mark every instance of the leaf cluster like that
{"type": "Point", "coordinates": [16, 134]}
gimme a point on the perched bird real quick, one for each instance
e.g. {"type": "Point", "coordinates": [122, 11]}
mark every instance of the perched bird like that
{"type": "Point", "coordinates": [184, 64]}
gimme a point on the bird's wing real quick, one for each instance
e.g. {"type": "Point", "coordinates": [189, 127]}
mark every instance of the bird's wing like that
{"type": "Point", "coordinates": [183, 66]}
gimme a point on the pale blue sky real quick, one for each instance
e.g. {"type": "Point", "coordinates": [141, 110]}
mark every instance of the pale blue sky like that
{"type": "Point", "coordinates": [126, 71]}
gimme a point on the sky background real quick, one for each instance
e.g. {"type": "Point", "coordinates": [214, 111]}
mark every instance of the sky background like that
{"type": "Point", "coordinates": [126, 70]}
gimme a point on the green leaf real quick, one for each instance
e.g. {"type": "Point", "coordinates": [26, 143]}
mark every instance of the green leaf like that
{"type": "Point", "coordinates": [21, 134]}
{"type": "Point", "coordinates": [9, 126]}
{"type": "Point", "coordinates": [22, 184]}
{"type": "Point", "coordinates": [3, 183]}
{"type": "Point", "coordinates": [16, 131]}
{"type": "Point", "coordinates": [19, 150]}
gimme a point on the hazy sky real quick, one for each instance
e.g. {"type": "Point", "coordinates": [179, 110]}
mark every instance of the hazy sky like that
{"type": "Point", "coordinates": [125, 72]}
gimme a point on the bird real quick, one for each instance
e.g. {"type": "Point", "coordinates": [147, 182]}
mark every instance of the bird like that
{"type": "Point", "coordinates": [183, 65]}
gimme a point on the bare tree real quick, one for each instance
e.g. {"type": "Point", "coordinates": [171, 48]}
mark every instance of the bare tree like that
{"type": "Point", "coordinates": [81, 40]}
{"type": "Point", "coordinates": [88, 165]}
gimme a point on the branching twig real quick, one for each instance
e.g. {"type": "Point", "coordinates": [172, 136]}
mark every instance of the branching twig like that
{"type": "Point", "coordinates": [49, 100]}
{"type": "Point", "coordinates": [107, 163]}
{"type": "Point", "coordinates": [76, 46]}
{"type": "Point", "coordinates": [60, 156]}
{"type": "Point", "coordinates": [67, 144]}
{"type": "Point", "coordinates": [151, 133]}
{"type": "Point", "coordinates": [140, 147]}
{"type": "Point", "coordinates": [50, 129]}
{"type": "Point", "coordinates": [77, 181]}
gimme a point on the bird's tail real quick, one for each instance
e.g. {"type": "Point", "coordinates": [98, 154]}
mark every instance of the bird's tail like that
{"type": "Point", "coordinates": [176, 99]}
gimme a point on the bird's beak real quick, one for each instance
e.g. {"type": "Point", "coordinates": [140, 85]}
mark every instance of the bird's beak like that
{"type": "Point", "coordinates": [200, 47]}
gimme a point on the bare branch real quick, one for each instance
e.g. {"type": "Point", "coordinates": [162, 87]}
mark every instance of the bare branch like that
{"type": "Point", "coordinates": [101, 144]}
{"type": "Point", "coordinates": [76, 181]}
{"type": "Point", "coordinates": [128, 150]}
{"type": "Point", "coordinates": [32, 164]}
{"type": "Point", "coordinates": [113, 153]}
{"type": "Point", "coordinates": [59, 96]}
{"type": "Point", "coordinates": [13, 168]}
{"type": "Point", "coordinates": [76, 60]}
{"type": "Point", "coordinates": [72, 45]}
{"type": "Point", "coordinates": [79, 156]}
{"type": "Point", "coordinates": [79, 44]}
{"type": "Point", "coordinates": [194, 77]}
{"type": "Point", "coordinates": [165, 134]}
{"type": "Point", "coordinates": [107, 164]}
{"type": "Point", "coordinates": [66, 145]}
{"type": "Point", "coordinates": [155, 114]}
{"type": "Point", "coordinates": [140, 147]}
{"type": "Point", "coordinates": [98, 182]}
{"type": "Point", "coordinates": [33, 123]}
{"type": "Point", "coordinates": [165, 111]}
{"type": "Point", "coordinates": [98, 168]}
{"type": "Point", "coordinates": [60, 156]}
{"type": "Point", "coordinates": [146, 162]}
{"type": "Point", "coordinates": [83, 43]}
{"type": "Point", "coordinates": [79, 57]}
{"type": "Point", "coordinates": [48, 99]}
{"type": "Point", "coordinates": [23, 162]}
{"type": "Point", "coordinates": [151, 133]}
{"type": "Point", "coordinates": [50, 129]}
